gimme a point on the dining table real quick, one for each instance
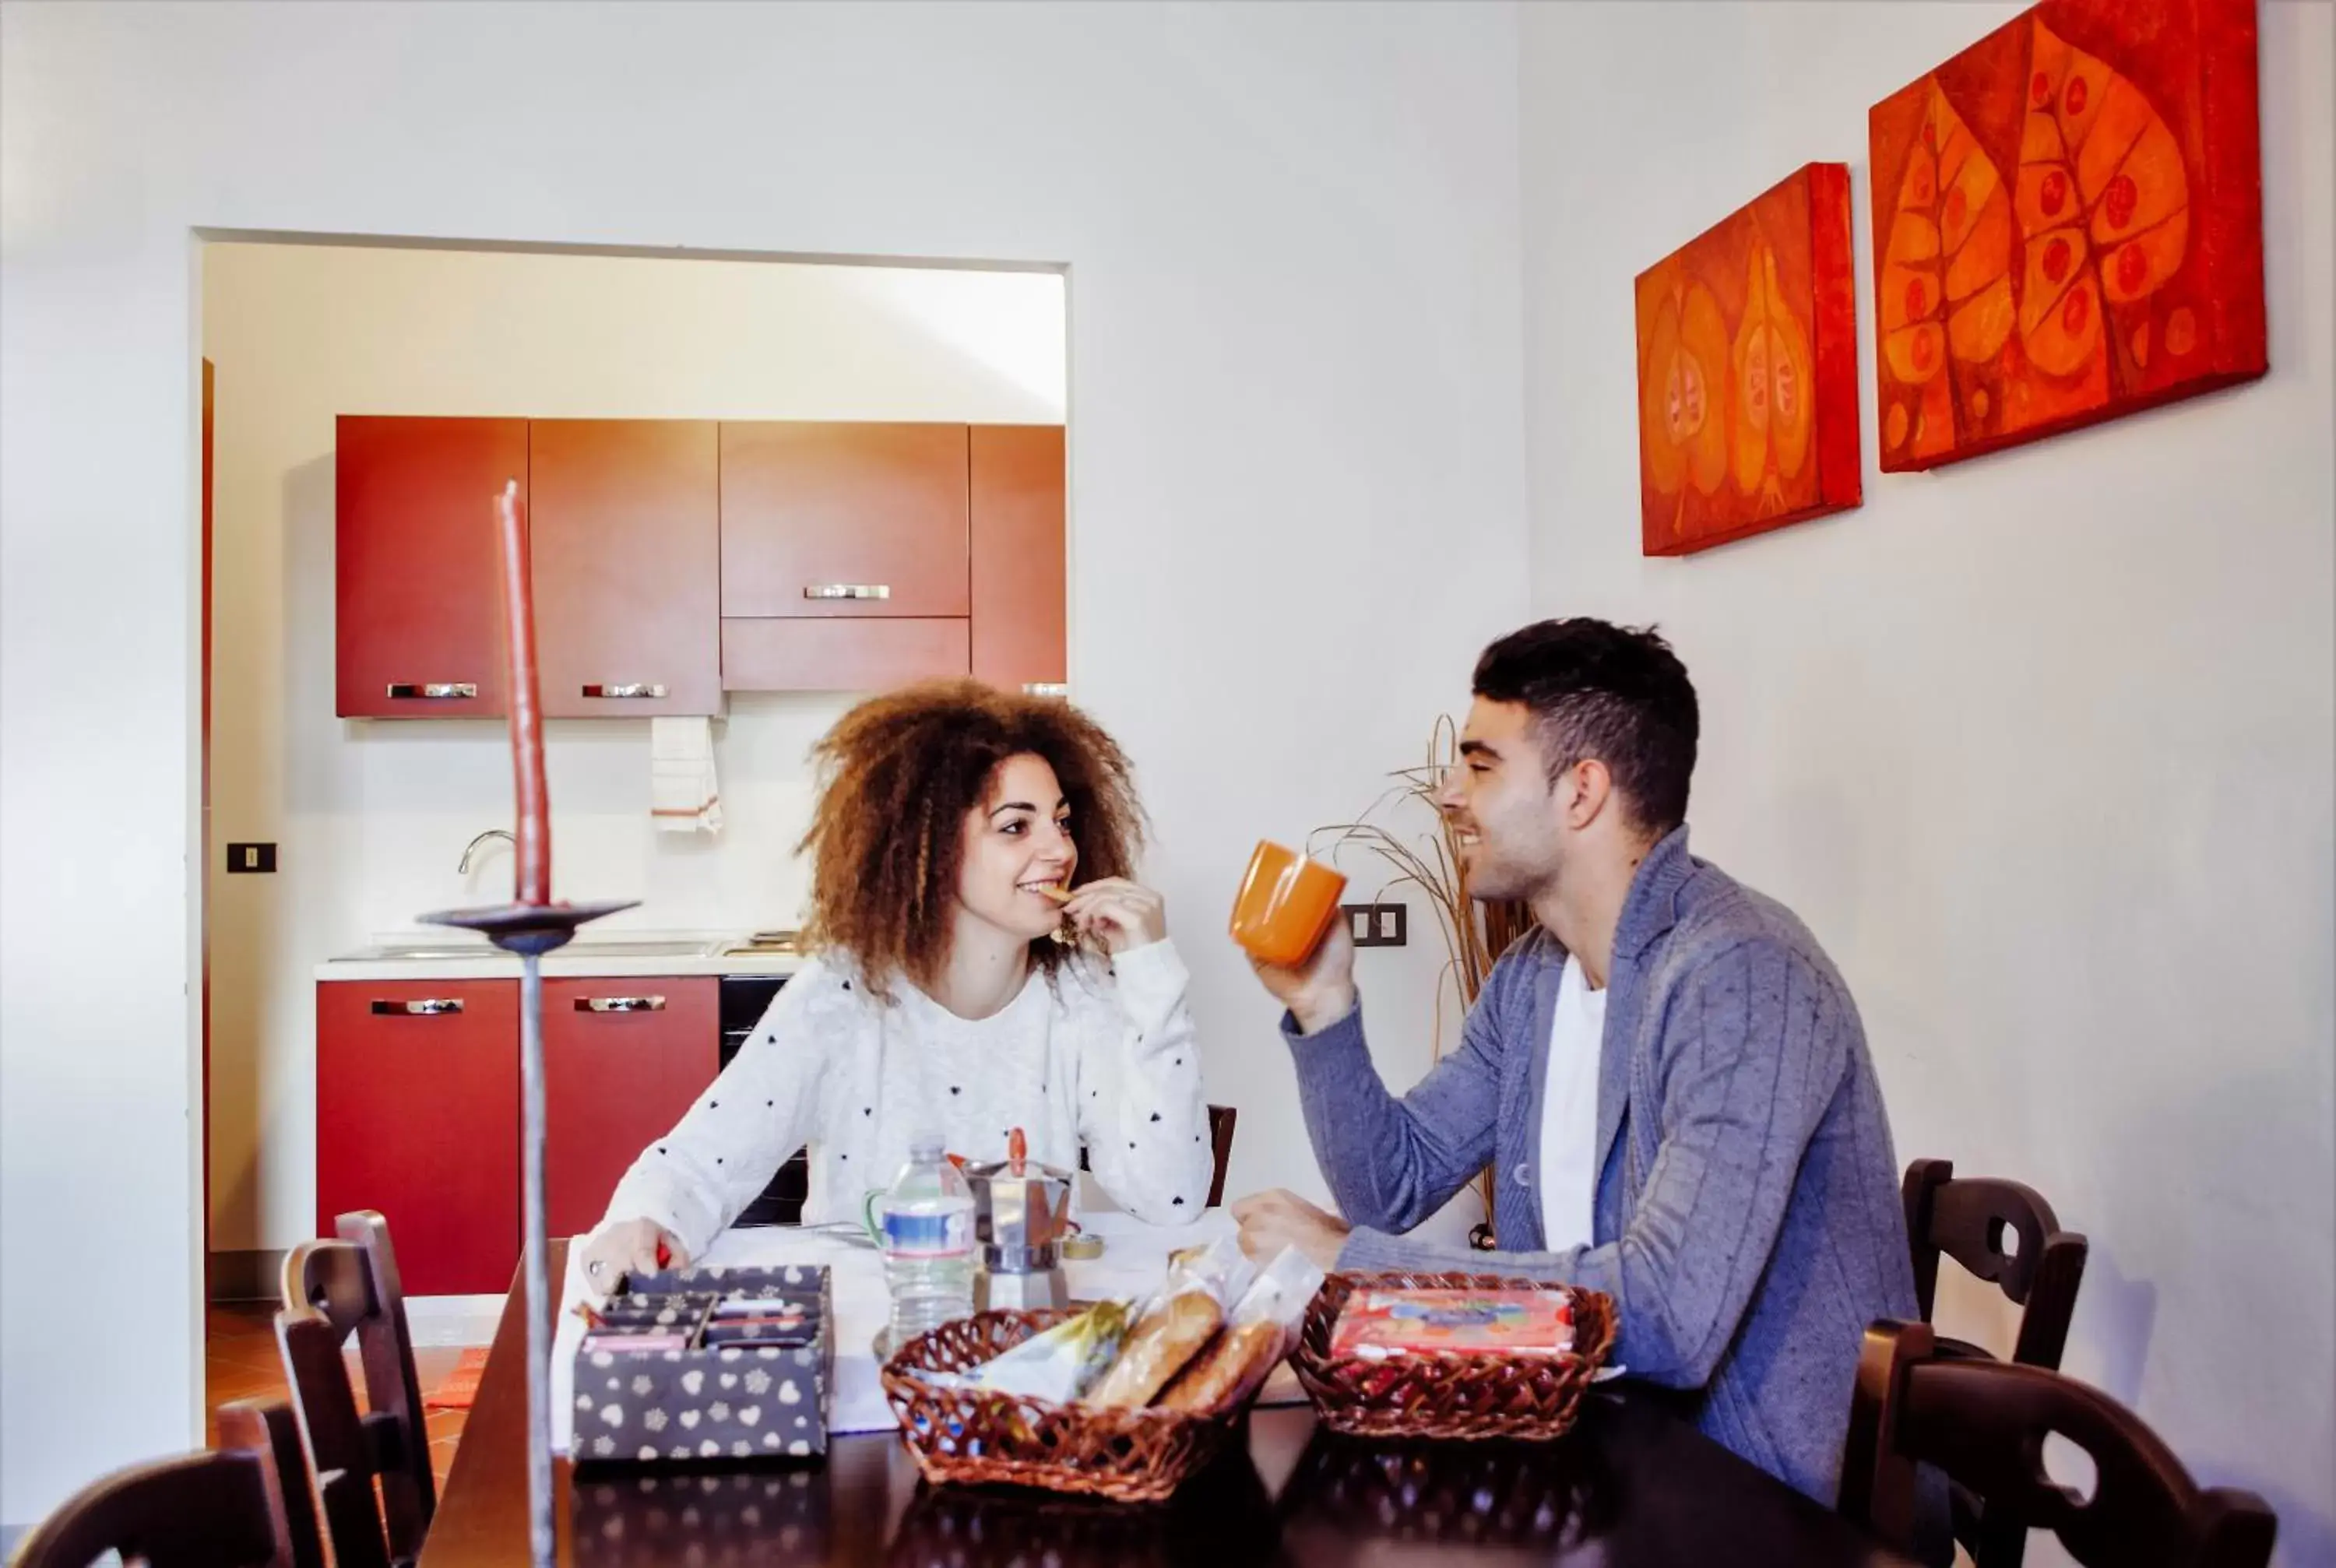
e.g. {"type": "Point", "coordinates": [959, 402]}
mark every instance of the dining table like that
{"type": "Point", "coordinates": [1634, 1483]}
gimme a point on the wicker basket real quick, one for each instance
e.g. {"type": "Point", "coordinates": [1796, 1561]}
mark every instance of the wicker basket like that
{"type": "Point", "coordinates": [971, 1437]}
{"type": "Point", "coordinates": [1447, 1394]}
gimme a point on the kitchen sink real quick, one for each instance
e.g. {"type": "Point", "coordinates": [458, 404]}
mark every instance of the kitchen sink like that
{"type": "Point", "coordinates": [423, 951]}
{"type": "Point", "coordinates": [622, 947]}
{"type": "Point", "coordinates": [427, 950]}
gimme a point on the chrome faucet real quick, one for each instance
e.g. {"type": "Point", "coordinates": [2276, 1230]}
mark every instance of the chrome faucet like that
{"type": "Point", "coordinates": [472, 847]}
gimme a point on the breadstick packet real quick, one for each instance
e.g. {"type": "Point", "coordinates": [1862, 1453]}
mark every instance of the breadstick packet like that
{"type": "Point", "coordinates": [1055, 1364]}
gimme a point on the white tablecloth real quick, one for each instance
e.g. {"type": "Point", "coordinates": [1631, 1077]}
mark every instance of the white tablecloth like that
{"type": "Point", "coordinates": [1134, 1261]}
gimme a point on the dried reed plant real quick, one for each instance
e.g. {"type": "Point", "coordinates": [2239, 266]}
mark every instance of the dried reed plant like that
{"type": "Point", "coordinates": [1474, 934]}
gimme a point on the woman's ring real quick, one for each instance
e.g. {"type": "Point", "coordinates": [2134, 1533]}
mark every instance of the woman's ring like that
{"type": "Point", "coordinates": [595, 1266]}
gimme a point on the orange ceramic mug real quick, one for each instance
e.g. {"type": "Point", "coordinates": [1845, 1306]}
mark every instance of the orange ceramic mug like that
{"type": "Point", "coordinates": [1285, 906]}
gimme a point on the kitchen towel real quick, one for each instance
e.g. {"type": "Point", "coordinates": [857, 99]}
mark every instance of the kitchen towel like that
{"type": "Point", "coordinates": [683, 795]}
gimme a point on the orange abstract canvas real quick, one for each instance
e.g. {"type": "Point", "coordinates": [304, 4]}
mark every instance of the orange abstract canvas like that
{"type": "Point", "coordinates": [2067, 223]}
{"type": "Point", "coordinates": [1748, 371]}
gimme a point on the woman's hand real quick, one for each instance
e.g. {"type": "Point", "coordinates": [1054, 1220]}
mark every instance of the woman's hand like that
{"type": "Point", "coordinates": [1118, 912]}
{"type": "Point", "coordinates": [630, 1247]}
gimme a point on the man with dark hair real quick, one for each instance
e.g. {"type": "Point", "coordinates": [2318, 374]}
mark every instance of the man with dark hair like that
{"type": "Point", "coordinates": [1668, 1075]}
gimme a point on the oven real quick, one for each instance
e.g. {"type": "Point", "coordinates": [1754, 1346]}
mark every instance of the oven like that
{"type": "Point", "coordinates": [745, 999]}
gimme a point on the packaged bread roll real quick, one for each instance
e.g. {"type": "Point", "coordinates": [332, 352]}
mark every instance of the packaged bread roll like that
{"type": "Point", "coordinates": [1239, 1359]}
{"type": "Point", "coordinates": [1182, 1318]}
{"type": "Point", "coordinates": [1166, 1338]}
{"type": "Point", "coordinates": [1262, 1329]}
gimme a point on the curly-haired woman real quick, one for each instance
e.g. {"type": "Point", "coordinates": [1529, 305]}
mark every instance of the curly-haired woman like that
{"type": "Point", "coordinates": [961, 836]}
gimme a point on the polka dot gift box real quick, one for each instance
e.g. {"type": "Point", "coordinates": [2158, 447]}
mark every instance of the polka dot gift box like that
{"type": "Point", "coordinates": [708, 1366]}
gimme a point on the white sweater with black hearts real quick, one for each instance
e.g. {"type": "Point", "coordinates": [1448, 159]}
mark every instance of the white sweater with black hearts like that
{"type": "Point", "coordinates": [1100, 1057]}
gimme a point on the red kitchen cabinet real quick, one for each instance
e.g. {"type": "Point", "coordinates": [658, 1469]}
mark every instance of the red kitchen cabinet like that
{"type": "Point", "coordinates": [417, 1115]}
{"type": "Point", "coordinates": [1020, 600]}
{"type": "Point", "coordinates": [765, 653]}
{"type": "Point", "coordinates": [842, 520]}
{"type": "Point", "coordinates": [622, 1060]}
{"type": "Point", "coordinates": [675, 559]}
{"type": "Point", "coordinates": [418, 628]}
{"type": "Point", "coordinates": [625, 537]}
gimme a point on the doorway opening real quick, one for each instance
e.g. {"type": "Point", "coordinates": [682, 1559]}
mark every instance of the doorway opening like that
{"type": "Point", "coordinates": [333, 812]}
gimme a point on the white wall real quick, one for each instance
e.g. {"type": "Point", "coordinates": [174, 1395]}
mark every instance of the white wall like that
{"type": "Point", "coordinates": [372, 818]}
{"type": "Point", "coordinates": [1296, 483]}
{"type": "Point", "coordinates": [2039, 745]}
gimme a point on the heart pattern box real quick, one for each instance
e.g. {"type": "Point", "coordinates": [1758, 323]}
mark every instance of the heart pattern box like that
{"type": "Point", "coordinates": [707, 1366]}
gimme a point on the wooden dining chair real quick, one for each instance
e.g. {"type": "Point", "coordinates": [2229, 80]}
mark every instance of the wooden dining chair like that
{"type": "Point", "coordinates": [1221, 1145]}
{"type": "Point", "coordinates": [333, 1289]}
{"type": "Point", "coordinates": [1971, 1220]}
{"type": "Point", "coordinates": [2004, 1233]}
{"type": "Point", "coordinates": [1220, 1150]}
{"type": "Point", "coordinates": [242, 1505]}
{"type": "Point", "coordinates": [1983, 1423]}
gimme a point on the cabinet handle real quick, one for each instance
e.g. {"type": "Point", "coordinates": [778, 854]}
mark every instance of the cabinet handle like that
{"type": "Point", "coordinates": [620, 1004]}
{"type": "Point", "coordinates": [1046, 688]}
{"type": "Point", "coordinates": [646, 688]}
{"type": "Point", "coordinates": [433, 690]}
{"type": "Point", "coordinates": [848, 590]}
{"type": "Point", "coordinates": [424, 1008]}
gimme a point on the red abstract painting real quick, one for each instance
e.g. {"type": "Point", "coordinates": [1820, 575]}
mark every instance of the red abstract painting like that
{"type": "Point", "coordinates": [1748, 371]}
{"type": "Point", "coordinates": [2068, 224]}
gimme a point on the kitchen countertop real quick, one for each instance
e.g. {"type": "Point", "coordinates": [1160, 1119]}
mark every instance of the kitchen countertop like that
{"type": "Point", "coordinates": [617, 954]}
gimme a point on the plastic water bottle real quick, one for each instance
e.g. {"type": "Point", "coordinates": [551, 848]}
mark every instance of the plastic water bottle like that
{"type": "Point", "coordinates": [925, 1224]}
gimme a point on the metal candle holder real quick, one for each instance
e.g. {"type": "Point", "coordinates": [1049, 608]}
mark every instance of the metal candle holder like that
{"type": "Point", "coordinates": [531, 925]}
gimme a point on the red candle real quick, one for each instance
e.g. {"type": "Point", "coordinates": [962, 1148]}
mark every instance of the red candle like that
{"type": "Point", "coordinates": [534, 827]}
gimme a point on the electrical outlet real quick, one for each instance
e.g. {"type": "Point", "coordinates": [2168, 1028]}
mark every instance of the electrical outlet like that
{"type": "Point", "coordinates": [259, 858]}
{"type": "Point", "coordinates": [1379, 925]}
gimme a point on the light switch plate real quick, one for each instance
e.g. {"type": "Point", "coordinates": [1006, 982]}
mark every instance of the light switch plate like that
{"type": "Point", "coordinates": [1379, 925]}
{"type": "Point", "coordinates": [250, 858]}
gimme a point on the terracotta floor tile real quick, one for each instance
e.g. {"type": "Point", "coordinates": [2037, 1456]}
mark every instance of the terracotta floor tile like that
{"type": "Point", "coordinates": [236, 1369]}
{"type": "Point", "coordinates": [241, 1344]}
{"type": "Point", "coordinates": [242, 1362]}
{"type": "Point", "coordinates": [252, 1355]}
{"type": "Point", "coordinates": [222, 1381]}
{"type": "Point", "coordinates": [433, 1366]}
{"type": "Point", "coordinates": [254, 1361]}
{"type": "Point", "coordinates": [227, 1325]}
{"type": "Point", "coordinates": [222, 1384]}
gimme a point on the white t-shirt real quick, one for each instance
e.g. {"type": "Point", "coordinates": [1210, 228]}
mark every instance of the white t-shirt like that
{"type": "Point", "coordinates": [1569, 1111]}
